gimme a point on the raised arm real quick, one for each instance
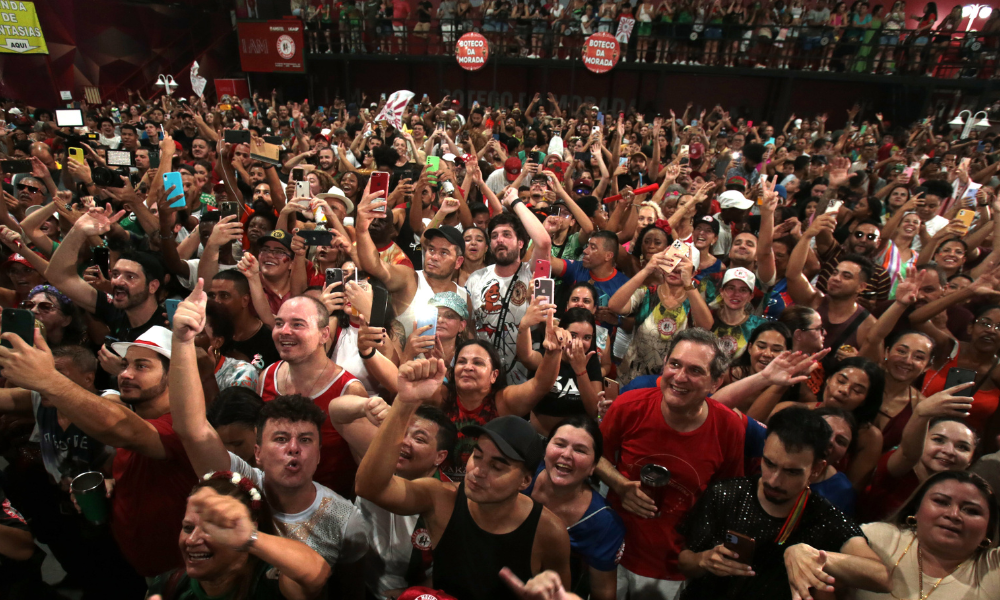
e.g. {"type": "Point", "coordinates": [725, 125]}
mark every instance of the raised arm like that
{"type": "Point", "coordinates": [201, 441]}
{"type": "Point", "coordinates": [765, 252]}
{"type": "Point", "coordinates": [395, 277]}
{"type": "Point", "coordinates": [799, 288]}
{"type": "Point", "coordinates": [111, 423]}
{"type": "Point", "coordinates": [376, 481]}
{"type": "Point", "coordinates": [521, 399]}
{"type": "Point", "coordinates": [62, 268]}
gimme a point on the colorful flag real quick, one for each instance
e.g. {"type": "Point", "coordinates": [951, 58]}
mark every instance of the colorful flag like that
{"type": "Point", "coordinates": [394, 107]}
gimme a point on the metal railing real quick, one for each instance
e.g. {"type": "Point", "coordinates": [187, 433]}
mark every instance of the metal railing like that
{"type": "Point", "coordinates": [851, 50]}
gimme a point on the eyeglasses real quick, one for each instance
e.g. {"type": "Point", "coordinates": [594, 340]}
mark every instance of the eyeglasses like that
{"type": "Point", "coordinates": [820, 329]}
{"type": "Point", "coordinates": [989, 325]}
{"type": "Point", "coordinates": [275, 252]}
{"type": "Point", "coordinates": [861, 235]}
{"type": "Point", "coordinates": [44, 307]}
{"type": "Point", "coordinates": [30, 188]}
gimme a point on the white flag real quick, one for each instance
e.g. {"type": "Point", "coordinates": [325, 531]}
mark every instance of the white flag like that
{"type": "Point", "coordinates": [394, 107]}
{"type": "Point", "coordinates": [625, 26]}
{"type": "Point", "coordinates": [197, 83]}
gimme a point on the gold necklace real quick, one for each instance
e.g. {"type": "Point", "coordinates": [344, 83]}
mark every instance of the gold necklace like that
{"type": "Point", "coordinates": [920, 571]}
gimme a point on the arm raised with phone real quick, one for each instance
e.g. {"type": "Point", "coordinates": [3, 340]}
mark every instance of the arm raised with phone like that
{"type": "Point", "coordinates": [401, 280]}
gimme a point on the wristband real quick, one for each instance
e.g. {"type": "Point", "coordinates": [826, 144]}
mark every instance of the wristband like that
{"type": "Point", "coordinates": [369, 355]}
{"type": "Point", "coordinates": [250, 542]}
{"type": "Point", "coordinates": [515, 202]}
{"type": "Point", "coordinates": [581, 373]}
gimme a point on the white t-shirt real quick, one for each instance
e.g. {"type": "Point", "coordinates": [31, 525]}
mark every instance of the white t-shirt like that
{"type": "Point", "coordinates": [391, 541]}
{"type": "Point", "coordinates": [488, 292]}
{"type": "Point", "coordinates": [497, 181]}
{"type": "Point", "coordinates": [192, 278]}
{"type": "Point", "coordinates": [331, 525]}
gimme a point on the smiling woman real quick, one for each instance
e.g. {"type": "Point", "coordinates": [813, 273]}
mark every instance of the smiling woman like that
{"type": "Point", "coordinates": [944, 536]}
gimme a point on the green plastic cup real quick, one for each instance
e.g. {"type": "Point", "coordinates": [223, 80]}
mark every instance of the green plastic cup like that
{"type": "Point", "coordinates": [92, 496]}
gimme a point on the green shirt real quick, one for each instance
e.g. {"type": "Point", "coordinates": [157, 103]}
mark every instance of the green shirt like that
{"type": "Point", "coordinates": [261, 586]}
{"type": "Point", "coordinates": [571, 250]}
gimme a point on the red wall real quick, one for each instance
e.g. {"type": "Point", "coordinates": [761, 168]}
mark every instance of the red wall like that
{"type": "Point", "coordinates": [115, 45]}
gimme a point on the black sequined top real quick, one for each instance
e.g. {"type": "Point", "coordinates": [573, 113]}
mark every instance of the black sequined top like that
{"type": "Point", "coordinates": [733, 505]}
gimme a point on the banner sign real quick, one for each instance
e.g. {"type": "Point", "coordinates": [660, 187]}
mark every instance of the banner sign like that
{"type": "Point", "coordinates": [20, 32]}
{"type": "Point", "coordinates": [472, 51]}
{"type": "Point", "coordinates": [237, 88]}
{"type": "Point", "coordinates": [601, 52]}
{"type": "Point", "coordinates": [271, 46]}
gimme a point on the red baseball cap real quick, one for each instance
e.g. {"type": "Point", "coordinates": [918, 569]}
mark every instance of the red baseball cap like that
{"type": "Point", "coordinates": [512, 167]}
{"type": "Point", "coordinates": [424, 593]}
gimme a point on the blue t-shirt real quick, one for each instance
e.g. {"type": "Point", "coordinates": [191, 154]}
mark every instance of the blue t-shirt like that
{"type": "Point", "coordinates": [577, 273]}
{"type": "Point", "coordinates": [599, 536]}
{"type": "Point", "coordinates": [839, 491]}
{"type": "Point", "coordinates": [642, 381]}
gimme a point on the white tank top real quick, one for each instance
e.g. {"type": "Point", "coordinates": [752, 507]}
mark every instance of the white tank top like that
{"type": "Point", "coordinates": [420, 298]}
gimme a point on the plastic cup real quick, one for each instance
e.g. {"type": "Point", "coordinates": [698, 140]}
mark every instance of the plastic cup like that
{"type": "Point", "coordinates": [654, 480]}
{"type": "Point", "coordinates": [91, 496]}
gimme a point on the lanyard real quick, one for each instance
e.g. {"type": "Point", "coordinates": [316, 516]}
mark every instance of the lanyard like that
{"type": "Point", "coordinates": [793, 518]}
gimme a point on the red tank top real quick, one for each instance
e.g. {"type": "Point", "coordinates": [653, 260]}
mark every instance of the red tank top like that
{"type": "Point", "coordinates": [336, 464]}
{"type": "Point", "coordinates": [984, 404]}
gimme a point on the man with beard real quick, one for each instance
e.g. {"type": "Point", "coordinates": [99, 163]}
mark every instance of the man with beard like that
{"type": "Point", "coordinates": [863, 241]}
{"type": "Point", "coordinates": [465, 524]}
{"type": "Point", "coordinates": [846, 322]}
{"type": "Point", "coordinates": [231, 290]}
{"type": "Point", "coordinates": [636, 176]}
{"type": "Point", "coordinates": [443, 252]}
{"type": "Point", "coordinates": [499, 292]}
{"type": "Point", "coordinates": [288, 452]}
{"type": "Point", "coordinates": [327, 161]}
{"type": "Point", "coordinates": [152, 474]}
{"type": "Point", "coordinates": [430, 437]}
{"type": "Point", "coordinates": [301, 332]}
{"type": "Point", "coordinates": [135, 279]}
{"type": "Point", "coordinates": [801, 540]}
{"type": "Point", "coordinates": [676, 426]}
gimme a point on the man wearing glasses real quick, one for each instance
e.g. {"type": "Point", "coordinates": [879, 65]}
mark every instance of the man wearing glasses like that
{"type": "Point", "coordinates": [277, 260]}
{"type": "Point", "coordinates": [864, 241]}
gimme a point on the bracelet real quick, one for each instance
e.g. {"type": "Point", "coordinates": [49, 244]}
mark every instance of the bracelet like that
{"type": "Point", "coordinates": [250, 542]}
{"type": "Point", "coordinates": [369, 355]}
{"type": "Point", "coordinates": [690, 287]}
{"type": "Point", "coordinates": [581, 373]}
{"type": "Point", "coordinates": [515, 202]}
{"type": "Point", "coordinates": [169, 236]}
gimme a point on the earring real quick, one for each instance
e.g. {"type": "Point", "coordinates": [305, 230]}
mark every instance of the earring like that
{"type": "Point", "coordinates": [911, 521]}
{"type": "Point", "coordinates": [986, 543]}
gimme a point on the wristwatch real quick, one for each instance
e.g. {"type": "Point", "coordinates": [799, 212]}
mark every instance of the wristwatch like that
{"type": "Point", "coordinates": [690, 287]}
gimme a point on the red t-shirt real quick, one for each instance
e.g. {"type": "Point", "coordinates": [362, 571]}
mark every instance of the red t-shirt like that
{"type": "Point", "coordinates": [635, 432]}
{"type": "Point", "coordinates": [149, 502]}
{"type": "Point", "coordinates": [336, 463]}
{"type": "Point", "coordinates": [400, 12]}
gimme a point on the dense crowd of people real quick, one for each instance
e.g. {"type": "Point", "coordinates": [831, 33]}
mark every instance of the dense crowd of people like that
{"type": "Point", "coordinates": [261, 349]}
{"type": "Point", "coordinates": [821, 35]}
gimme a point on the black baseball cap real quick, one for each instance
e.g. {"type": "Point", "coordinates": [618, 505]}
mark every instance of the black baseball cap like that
{"type": "Point", "coordinates": [515, 438]}
{"type": "Point", "coordinates": [818, 159]}
{"type": "Point", "coordinates": [708, 220]}
{"type": "Point", "coordinates": [450, 235]}
{"type": "Point", "coordinates": [278, 235]}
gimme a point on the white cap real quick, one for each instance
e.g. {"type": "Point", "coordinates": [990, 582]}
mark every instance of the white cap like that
{"type": "Point", "coordinates": [740, 273]}
{"type": "Point", "coordinates": [14, 111]}
{"type": "Point", "coordinates": [336, 192]}
{"type": "Point", "coordinates": [734, 199]}
{"type": "Point", "coordinates": [448, 157]}
{"type": "Point", "coordinates": [156, 338]}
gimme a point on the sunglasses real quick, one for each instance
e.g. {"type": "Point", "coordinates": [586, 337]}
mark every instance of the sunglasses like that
{"type": "Point", "coordinates": [871, 236]}
{"type": "Point", "coordinates": [30, 188]}
{"type": "Point", "coordinates": [42, 306]}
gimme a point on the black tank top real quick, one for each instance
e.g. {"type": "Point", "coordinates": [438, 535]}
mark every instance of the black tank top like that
{"type": "Point", "coordinates": [467, 560]}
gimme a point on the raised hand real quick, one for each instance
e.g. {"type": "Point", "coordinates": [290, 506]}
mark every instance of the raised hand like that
{"type": "Point", "coordinates": [98, 221]}
{"type": "Point", "coordinates": [223, 518]}
{"type": "Point", "coordinates": [228, 229]}
{"type": "Point", "coordinates": [946, 404]}
{"type": "Point", "coordinates": [189, 319]}
{"type": "Point", "coordinates": [419, 380]}
{"type": "Point", "coordinates": [906, 289]}
{"type": "Point", "coordinates": [249, 266]}
{"type": "Point", "coordinates": [376, 410]}
{"type": "Point", "coordinates": [789, 368]}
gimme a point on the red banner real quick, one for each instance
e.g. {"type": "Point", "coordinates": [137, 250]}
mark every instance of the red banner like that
{"type": "Point", "coordinates": [272, 46]}
{"type": "Point", "coordinates": [232, 87]}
